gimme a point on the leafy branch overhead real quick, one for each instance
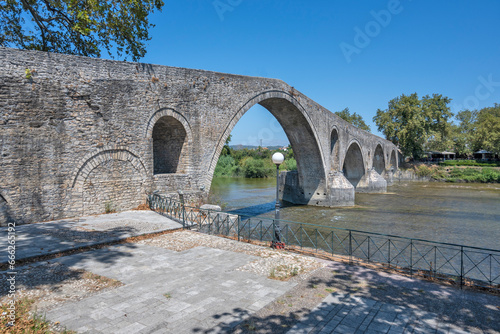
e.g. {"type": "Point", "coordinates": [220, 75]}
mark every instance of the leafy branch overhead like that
{"type": "Point", "coordinates": [78, 27]}
{"type": "Point", "coordinates": [353, 118]}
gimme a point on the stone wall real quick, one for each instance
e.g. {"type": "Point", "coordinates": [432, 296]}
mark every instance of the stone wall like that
{"type": "Point", "coordinates": [78, 134]}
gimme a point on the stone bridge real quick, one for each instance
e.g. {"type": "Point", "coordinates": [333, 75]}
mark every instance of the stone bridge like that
{"type": "Point", "coordinates": [80, 136]}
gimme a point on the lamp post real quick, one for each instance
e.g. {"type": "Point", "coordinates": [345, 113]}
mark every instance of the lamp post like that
{"type": "Point", "coordinates": [278, 159]}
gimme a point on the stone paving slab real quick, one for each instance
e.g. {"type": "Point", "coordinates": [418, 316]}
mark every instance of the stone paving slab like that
{"type": "Point", "coordinates": [198, 290]}
{"type": "Point", "coordinates": [66, 234]}
{"type": "Point", "coordinates": [343, 313]}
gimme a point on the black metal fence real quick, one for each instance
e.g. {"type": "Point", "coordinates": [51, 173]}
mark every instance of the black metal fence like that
{"type": "Point", "coordinates": [463, 265]}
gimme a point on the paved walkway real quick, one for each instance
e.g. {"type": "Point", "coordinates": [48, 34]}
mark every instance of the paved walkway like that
{"type": "Point", "coordinates": [66, 234]}
{"type": "Point", "coordinates": [200, 290]}
{"type": "Point", "coordinates": [341, 313]}
{"type": "Point", "coordinates": [197, 290]}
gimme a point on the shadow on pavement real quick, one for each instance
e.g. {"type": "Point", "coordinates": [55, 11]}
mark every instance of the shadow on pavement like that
{"type": "Point", "coordinates": [360, 299]}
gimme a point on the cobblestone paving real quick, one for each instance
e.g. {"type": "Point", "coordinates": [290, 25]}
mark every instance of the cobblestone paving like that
{"type": "Point", "coordinates": [341, 313]}
{"type": "Point", "coordinates": [167, 292]}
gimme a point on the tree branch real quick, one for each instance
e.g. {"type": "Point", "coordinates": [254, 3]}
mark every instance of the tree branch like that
{"type": "Point", "coordinates": [38, 22]}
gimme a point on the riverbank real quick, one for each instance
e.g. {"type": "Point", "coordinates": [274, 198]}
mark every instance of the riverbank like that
{"type": "Point", "coordinates": [448, 173]}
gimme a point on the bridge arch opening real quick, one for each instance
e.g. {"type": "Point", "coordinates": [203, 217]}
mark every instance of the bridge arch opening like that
{"type": "Point", "coordinates": [334, 148]}
{"type": "Point", "coordinates": [170, 146]}
{"type": "Point", "coordinates": [353, 168]}
{"type": "Point", "coordinates": [299, 130]}
{"type": "Point", "coordinates": [394, 162]}
{"type": "Point", "coordinates": [378, 160]}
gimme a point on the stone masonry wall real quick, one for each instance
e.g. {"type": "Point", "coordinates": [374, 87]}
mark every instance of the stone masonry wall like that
{"type": "Point", "coordinates": [77, 133]}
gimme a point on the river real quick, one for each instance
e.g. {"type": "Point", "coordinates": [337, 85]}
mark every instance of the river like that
{"type": "Point", "coordinates": [460, 213]}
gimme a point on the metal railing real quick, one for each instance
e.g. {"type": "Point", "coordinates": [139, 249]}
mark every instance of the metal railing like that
{"type": "Point", "coordinates": [463, 265]}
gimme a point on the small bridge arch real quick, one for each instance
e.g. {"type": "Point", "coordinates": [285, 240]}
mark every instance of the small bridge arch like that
{"type": "Point", "coordinates": [353, 166]}
{"type": "Point", "coordinates": [378, 159]}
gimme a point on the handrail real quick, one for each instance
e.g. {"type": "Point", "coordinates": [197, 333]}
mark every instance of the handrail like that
{"type": "Point", "coordinates": [475, 264]}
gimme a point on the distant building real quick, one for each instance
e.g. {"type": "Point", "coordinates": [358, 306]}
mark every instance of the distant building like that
{"type": "Point", "coordinates": [483, 155]}
{"type": "Point", "coordinates": [437, 156]}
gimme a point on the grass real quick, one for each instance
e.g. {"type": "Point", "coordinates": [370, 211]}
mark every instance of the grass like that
{"type": "Point", "coordinates": [25, 320]}
{"type": "Point", "coordinates": [484, 175]}
{"type": "Point", "coordinates": [109, 282]}
{"type": "Point", "coordinates": [283, 272]}
{"type": "Point", "coordinates": [470, 163]}
{"type": "Point", "coordinates": [458, 174]}
{"type": "Point", "coordinates": [108, 207]}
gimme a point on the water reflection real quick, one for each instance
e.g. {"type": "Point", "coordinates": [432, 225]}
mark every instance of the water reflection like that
{"type": "Point", "coordinates": [466, 214]}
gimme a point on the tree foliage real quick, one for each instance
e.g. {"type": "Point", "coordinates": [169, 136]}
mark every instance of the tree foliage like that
{"type": "Point", "coordinates": [353, 118]}
{"type": "Point", "coordinates": [252, 163]}
{"type": "Point", "coordinates": [416, 124]}
{"type": "Point", "coordinates": [79, 27]}
{"type": "Point", "coordinates": [486, 130]}
{"type": "Point", "coordinates": [463, 133]}
{"type": "Point", "coordinates": [477, 130]}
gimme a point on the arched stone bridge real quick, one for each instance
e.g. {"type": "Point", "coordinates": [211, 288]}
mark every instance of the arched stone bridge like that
{"type": "Point", "coordinates": [80, 135]}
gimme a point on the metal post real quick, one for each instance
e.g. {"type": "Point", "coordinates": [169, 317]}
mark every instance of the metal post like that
{"type": "Point", "coordinates": [277, 159]}
{"type": "Point", "coordinates": [461, 266]}
{"type": "Point", "coordinates": [350, 247]}
{"type": "Point", "coordinates": [181, 198]}
{"type": "Point", "coordinates": [332, 242]}
{"type": "Point", "coordinates": [389, 257]}
{"type": "Point", "coordinates": [238, 227]}
{"type": "Point", "coordinates": [368, 248]}
{"type": "Point", "coordinates": [316, 238]}
{"type": "Point", "coordinates": [277, 239]}
{"type": "Point", "coordinates": [411, 258]}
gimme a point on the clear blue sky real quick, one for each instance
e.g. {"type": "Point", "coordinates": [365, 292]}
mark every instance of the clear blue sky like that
{"type": "Point", "coordinates": [356, 54]}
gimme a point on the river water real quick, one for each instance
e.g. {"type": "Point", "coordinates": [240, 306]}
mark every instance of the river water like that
{"type": "Point", "coordinates": [466, 213]}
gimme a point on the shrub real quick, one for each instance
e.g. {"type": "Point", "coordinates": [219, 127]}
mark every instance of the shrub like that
{"type": "Point", "coordinates": [423, 170]}
{"type": "Point", "coordinates": [225, 166]}
{"type": "Point", "coordinates": [256, 168]}
{"type": "Point", "coordinates": [289, 164]}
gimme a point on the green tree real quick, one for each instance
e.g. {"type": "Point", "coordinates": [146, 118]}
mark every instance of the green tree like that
{"type": "Point", "coordinates": [78, 27]}
{"type": "Point", "coordinates": [463, 133]}
{"type": "Point", "coordinates": [415, 124]}
{"type": "Point", "coordinates": [402, 123]}
{"type": "Point", "coordinates": [353, 118]}
{"type": "Point", "coordinates": [487, 130]}
{"type": "Point", "coordinates": [257, 168]}
{"type": "Point", "coordinates": [226, 150]}
{"type": "Point", "coordinates": [438, 125]}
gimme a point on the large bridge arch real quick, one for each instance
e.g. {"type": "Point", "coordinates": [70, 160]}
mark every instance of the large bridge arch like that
{"type": "Point", "coordinates": [301, 133]}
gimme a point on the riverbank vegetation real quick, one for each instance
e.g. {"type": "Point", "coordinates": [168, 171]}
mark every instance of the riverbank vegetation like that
{"type": "Point", "coordinates": [458, 173]}
{"type": "Point", "coordinates": [251, 163]}
{"type": "Point", "coordinates": [479, 163]}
